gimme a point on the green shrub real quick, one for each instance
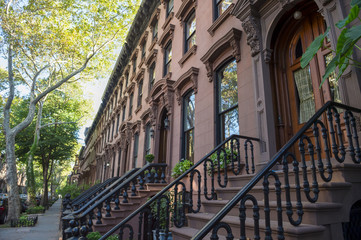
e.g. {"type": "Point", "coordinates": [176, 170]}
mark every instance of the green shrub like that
{"type": "Point", "coordinates": [222, 160]}
{"type": "Point", "coordinates": [73, 189]}
{"type": "Point", "coordinates": [36, 209]}
{"type": "Point", "coordinates": [149, 158]}
{"type": "Point", "coordinates": [181, 167]}
{"type": "Point", "coordinates": [96, 236]}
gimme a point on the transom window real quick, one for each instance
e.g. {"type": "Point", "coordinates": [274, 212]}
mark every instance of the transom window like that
{"type": "Point", "coordinates": [167, 58]}
{"type": "Point", "coordinates": [188, 126]}
{"type": "Point", "coordinates": [190, 37]}
{"type": "Point", "coordinates": [227, 101]}
{"type": "Point", "coordinates": [221, 6]}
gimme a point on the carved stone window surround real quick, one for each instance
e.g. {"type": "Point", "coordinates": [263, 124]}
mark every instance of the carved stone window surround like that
{"type": "Point", "coordinates": [130, 88]}
{"type": "Point", "coordinates": [152, 57]}
{"type": "Point", "coordinates": [230, 40]}
{"type": "Point", "coordinates": [167, 20]}
{"type": "Point", "coordinates": [218, 22]}
{"type": "Point", "coordinates": [140, 75]}
{"type": "Point", "coordinates": [138, 109]}
{"type": "Point", "coordinates": [191, 76]}
{"type": "Point", "coordinates": [186, 7]}
{"type": "Point", "coordinates": [166, 36]}
{"type": "Point", "coordinates": [152, 44]}
{"type": "Point", "coordinates": [124, 101]}
{"type": "Point", "coordinates": [161, 96]}
{"type": "Point", "coordinates": [136, 127]}
{"type": "Point", "coordinates": [190, 52]}
{"type": "Point", "coordinates": [143, 39]}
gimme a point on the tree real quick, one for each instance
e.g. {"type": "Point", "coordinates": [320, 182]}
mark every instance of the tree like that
{"type": "Point", "coordinates": [346, 43]}
{"type": "Point", "coordinates": [49, 43]}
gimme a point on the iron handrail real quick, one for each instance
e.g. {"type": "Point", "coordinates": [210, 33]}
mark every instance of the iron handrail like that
{"type": "Point", "coordinates": [248, 187]}
{"type": "Point", "coordinates": [169, 186]}
{"type": "Point", "coordinates": [118, 181]}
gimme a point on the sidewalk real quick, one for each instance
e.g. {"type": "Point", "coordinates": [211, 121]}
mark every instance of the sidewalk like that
{"type": "Point", "coordinates": [47, 227]}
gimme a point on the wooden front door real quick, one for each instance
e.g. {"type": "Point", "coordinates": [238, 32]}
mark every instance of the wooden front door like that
{"type": "Point", "coordinates": [163, 140]}
{"type": "Point", "coordinates": [298, 92]}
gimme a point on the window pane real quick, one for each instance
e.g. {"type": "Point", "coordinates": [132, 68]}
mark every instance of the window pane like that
{"type": "Point", "coordinates": [222, 6]}
{"type": "Point", "coordinates": [230, 123]}
{"type": "Point", "coordinates": [228, 95]}
{"type": "Point", "coordinates": [169, 6]}
{"type": "Point", "coordinates": [189, 143]}
{"type": "Point", "coordinates": [306, 103]}
{"type": "Point", "coordinates": [191, 25]}
{"type": "Point", "coordinates": [189, 112]}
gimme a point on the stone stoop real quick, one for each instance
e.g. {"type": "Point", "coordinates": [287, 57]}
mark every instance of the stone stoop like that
{"type": "Point", "coordinates": [126, 208]}
{"type": "Point", "coordinates": [320, 221]}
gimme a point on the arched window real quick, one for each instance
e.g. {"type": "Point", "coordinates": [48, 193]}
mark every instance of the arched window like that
{"type": "Point", "coordinates": [227, 101]}
{"type": "Point", "coordinates": [188, 126]}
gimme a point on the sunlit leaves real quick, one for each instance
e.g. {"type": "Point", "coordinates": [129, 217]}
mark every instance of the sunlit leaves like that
{"type": "Point", "coordinates": [344, 48]}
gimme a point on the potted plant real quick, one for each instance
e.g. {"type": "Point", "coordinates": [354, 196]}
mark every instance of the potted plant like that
{"type": "Point", "coordinates": [181, 167]}
{"type": "Point", "coordinates": [224, 159]}
{"type": "Point", "coordinates": [163, 211]}
{"type": "Point", "coordinates": [149, 158]}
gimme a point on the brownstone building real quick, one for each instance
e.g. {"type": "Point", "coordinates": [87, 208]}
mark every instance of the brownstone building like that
{"type": "Point", "coordinates": [194, 72]}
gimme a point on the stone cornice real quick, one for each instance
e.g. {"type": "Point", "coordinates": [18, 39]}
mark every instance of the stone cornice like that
{"type": "Point", "coordinates": [185, 8]}
{"type": "Point", "coordinates": [166, 36]}
{"type": "Point", "coordinates": [191, 76]}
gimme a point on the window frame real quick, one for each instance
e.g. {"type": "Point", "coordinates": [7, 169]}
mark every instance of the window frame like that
{"type": "Point", "coordinates": [220, 134]}
{"type": "Point", "coordinates": [135, 149]}
{"type": "Point", "coordinates": [151, 76]}
{"type": "Point", "coordinates": [130, 104]}
{"type": "Point", "coordinates": [184, 131]}
{"type": "Point", "coordinates": [155, 30]}
{"type": "Point", "coordinates": [169, 9]}
{"type": "Point", "coordinates": [147, 139]}
{"type": "Point", "coordinates": [140, 93]}
{"type": "Point", "coordinates": [167, 60]}
{"type": "Point", "coordinates": [187, 39]}
{"type": "Point", "coordinates": [216, 13]}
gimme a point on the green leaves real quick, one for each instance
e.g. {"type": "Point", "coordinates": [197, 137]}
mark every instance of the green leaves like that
{"type": "Point", "coordinates": [312, 49]}
{"type": "Point", "coordinates": [344, 48]}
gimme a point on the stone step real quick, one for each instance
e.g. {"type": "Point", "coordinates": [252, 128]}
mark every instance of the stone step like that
{"type": "Point", "coordinates": [328, 192]}
{"type": "Point", "coordinates": [319, 213]}
{"type": "Point", "coordinates": [301, 232]}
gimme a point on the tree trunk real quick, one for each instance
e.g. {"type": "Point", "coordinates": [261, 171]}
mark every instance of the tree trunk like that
{"type": "Point", "coordinates": [44, 199]}
{"type": "Point", "coordinates": [12, 178]}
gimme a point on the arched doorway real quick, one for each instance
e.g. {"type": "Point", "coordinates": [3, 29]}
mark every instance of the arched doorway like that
{"type": "Point", "coordinates": [295, 90]}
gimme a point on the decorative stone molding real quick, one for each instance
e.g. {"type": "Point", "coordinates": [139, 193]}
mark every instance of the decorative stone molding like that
{"type": "Point", "coordinates": [166, 36]}
{"type": "Point", "coordinates": [130, 88]}
{"type": "Point", "coordinates": [151, 57]}
{"type": "Point", "coordinates": [161, 96]}
{"type": "Point", "coordinates": [169, 18]}
{"type": "Point", "coordinates": [218, 22]}
{"type": "Point", "coordinates": [190, 52]}
{"type": "Point", "coordinates": [191, 76]}
{"type": "Point", "coordinates": [252, 27]}
{"type": "Point", "coordinates": [136, 127]}
{"type": "Point", "coordinates": [154, 18]}
{"type": "Point", "coordinates": [135, 54]}
{"type": "Point", "coordinates": [143, 38]}
{"type": "Point", "coordinates": [246, 11]}
{"type": "Point", "coordinates": [230, 40]}
{"type": "Point", "coordinates": [267, 55]}
{"type": "Point", "coordinates": [124, 101]}
{"type": "Point", "coordinates": [325, 2]}
{"type": "Point", "coordinates": [185, 8]}
{"type": "Point", "coordinates": [140, 75]}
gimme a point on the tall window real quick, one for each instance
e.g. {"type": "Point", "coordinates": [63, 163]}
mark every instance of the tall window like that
{"type": "Point", "coordinates": [151, 75]}
{"type": "Point", "coordinates": [123, 116]}
{"type": "Point", "coordinates": [135, 153]}
{"type": "Point", "coordinates": [134, 64]}
{"type": "Point", "coordinates": [116, 98]}
{"type": "Point", "coordinates": [167, 58]}
{"type": "Point", "coordinates": [118, 119]}
{"type": "Point", "coordinates": [188, 126]}
{"type": "Point", "coordinates": [121, 91]}
{"type": "Point", "coordinates": [155, 30]}
{"type": "Point", "coordinates": [113, 125]}
{"type": "Point", "coordinates": [140, 93]}
{"type": "Point", "coordinates": [119, 158]}
{"type": "Point", "coordinates": [190, 31]}
{"type": "Point", "coordinates": [143, 49]}
{"type": "Point", "coordinates": [147, 142]}
{"type": "Point", "coordinates": [126, 79]}
{"type": "Point", "coordinates": [169, 7]}
{"type": "Point", "coordinates": [227, 101]}
{"type": "Point", "coordinates": [130, 104]}
{"type": "Point", "coordinates": [221, 6]}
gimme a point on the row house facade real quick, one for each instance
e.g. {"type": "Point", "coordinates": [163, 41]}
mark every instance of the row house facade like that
{"type": "Point", "coordinates": [194, 72]}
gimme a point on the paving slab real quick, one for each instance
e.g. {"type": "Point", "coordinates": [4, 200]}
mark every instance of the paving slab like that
{"type": "Point", "coordinates": [47, 227]}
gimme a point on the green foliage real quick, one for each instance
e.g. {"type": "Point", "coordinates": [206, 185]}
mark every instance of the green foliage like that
{"type": "Point", "coordinates": [344, 48]}
{"type": "Point", "coordinates": [97, 235]}
{"type": "Point", "coordinates": [164, 210]}
{"type": "Point", "coordinates": [222, 160]}
{"type": "Point", "coordinates": [73, 189]}
{"type": "Point", "coordinates": [36, 209]}
{"type": "Point", "coordinates": [149, 158]}
{"type": "Point", "coordinates": [181, 167]}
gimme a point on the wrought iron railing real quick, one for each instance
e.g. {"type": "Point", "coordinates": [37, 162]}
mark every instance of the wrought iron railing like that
{"type": "Point", "coordinates": [84, 198]}
{"type": "Point", "coordinates": [170, 205]}
{"type": "Point", "coordinates": [325, 142]}
{"type": "Point", "coordinates": [134, 181]}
